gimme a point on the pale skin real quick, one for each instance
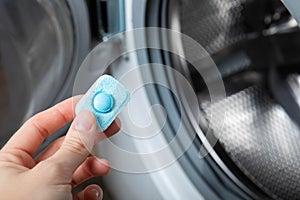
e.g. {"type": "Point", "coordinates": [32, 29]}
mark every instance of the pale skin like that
{"type": "Point", "coordinates": [61, 166]}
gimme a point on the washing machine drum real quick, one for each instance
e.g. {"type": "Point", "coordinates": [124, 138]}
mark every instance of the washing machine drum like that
{"type": "Point", "coordinates": [42, 44]}
{"type": "Point", "coordinates": [255, 45]}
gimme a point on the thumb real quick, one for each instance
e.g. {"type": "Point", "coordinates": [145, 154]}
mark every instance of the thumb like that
{"type": "Point", "coordinates": [78, 142]}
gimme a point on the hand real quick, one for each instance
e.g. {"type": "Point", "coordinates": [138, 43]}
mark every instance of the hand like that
{"type": "Point", "coordinates": [62, 165]}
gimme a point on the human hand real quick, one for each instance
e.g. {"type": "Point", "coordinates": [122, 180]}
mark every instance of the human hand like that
{"type": "Point", "coordinates": [62, 165]}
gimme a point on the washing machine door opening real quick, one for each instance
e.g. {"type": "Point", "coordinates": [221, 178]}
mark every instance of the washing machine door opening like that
{"type": "Point", "coordinates": [253, 143]}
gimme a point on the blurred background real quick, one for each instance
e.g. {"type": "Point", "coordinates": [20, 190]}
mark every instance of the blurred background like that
{"type": "Point", "coordinates": [255, 46]}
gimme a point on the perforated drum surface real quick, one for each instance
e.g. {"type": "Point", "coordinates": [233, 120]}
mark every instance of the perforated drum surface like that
{"type": "Point", "coordinates": [257, 134]}
{"type": "Point", "coordinates": [215, 24]}
{"type": "Point", "coordinates": [262, 141]}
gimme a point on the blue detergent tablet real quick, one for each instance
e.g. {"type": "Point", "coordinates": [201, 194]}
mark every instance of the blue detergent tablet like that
{"type": "Point", "coordinates": [102, 102]}
{"type": "Point", "coordinates": [105, 99]}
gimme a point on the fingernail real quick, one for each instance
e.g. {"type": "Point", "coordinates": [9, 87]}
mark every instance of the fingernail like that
{"type": "Point", "coordinates": [83, 121]}
{"type": "Point", "coordinates": [118, 121]}
{"type": "Point", "coordinates": [97, 194]}
{"type": "Point", "coordinates": [104, 161]}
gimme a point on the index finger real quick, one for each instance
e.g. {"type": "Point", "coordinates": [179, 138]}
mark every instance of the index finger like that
{"type": "Point", "coordinates": [34, 131]}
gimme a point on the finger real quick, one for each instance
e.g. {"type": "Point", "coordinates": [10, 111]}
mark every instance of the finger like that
{"type": "Point", "coordinates": [91, 192]}
{"type": "Point", "coordinates": [50, 150]}
{"type": "Point", "coordinates": [31, 135]}
{"type": "Point", "coordinates": [91, 167]}
{"type": "Point", "coordinates": [78, 143]}
{"type": "Point", "coordinates": [54, 146]}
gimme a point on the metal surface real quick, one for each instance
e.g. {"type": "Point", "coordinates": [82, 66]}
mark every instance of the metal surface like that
{"type": "Point", "coordinates": [262, 141]}
{"type": "Point", "coordinates": [214, 24]}
{"type": "Point", "coordinates": [258, 134]}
